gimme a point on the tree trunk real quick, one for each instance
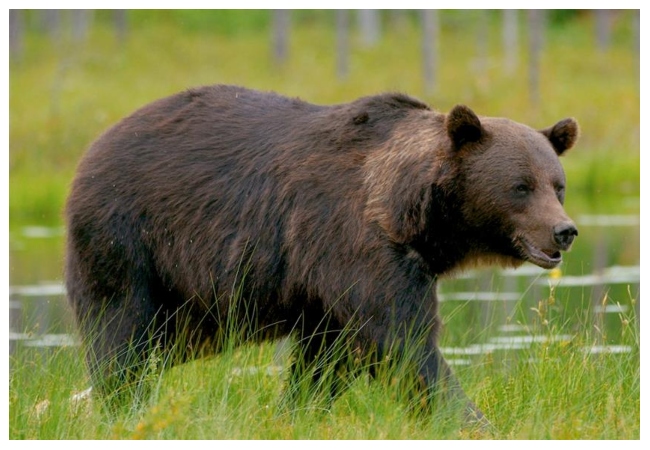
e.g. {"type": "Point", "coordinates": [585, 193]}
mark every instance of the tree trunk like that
{"type": "Point", "coordinates": [481, 62]}
{"type": "Point", "coordinates": [281, 20]}
{"type": "Point", "coordinates": [603, 28]}
{"type": "Point", "coordinates": [51, 23]}
{"type": "Point", "coordinates": [636, 27]}
{"type": "Point", "coordinates": [342, 43]}
{"type": "Point", "coordinates": [370, 26]}
{"type": "Point", "coordinates": [80, 23]}
{"type": "Point", "coordinates": [535, 39]}
{"type": "Point", "coordinates": [510, 40]}
{"type": "Point", "coordinates": [120, 22]}
{"type": "Point", "coordinates": [16, 32]}
{"type": "Point", "coordinates": [429, 48]}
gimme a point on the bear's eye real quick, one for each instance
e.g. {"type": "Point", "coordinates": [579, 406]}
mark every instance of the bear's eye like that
{"type": "Point", "coordinates": [559, 192]}
{"type": "Point", "coordinates": [523, 189]}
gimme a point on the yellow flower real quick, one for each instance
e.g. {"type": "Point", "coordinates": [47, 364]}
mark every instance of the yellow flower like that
{"type": "Point", "coordinates": [555, 273]}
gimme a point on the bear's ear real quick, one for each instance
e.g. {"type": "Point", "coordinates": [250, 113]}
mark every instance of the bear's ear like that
{"type": "Point", "coordinates": [563, 135]}
{"type": "Point", "coordinates": [463, 126]}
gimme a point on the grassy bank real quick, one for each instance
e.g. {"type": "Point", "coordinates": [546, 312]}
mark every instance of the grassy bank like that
{"type": "Point", "coordinates": [554, 389]}
{"type": "Point", "coordinates": [63, 95]}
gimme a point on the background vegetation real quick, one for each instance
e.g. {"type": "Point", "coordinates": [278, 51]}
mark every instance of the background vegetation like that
{"type": "Point", "coordinates": [64, 91]}
{"type": "Point", "coordinates": [69, 82]}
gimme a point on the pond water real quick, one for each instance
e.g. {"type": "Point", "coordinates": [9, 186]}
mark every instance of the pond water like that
{"type": "Point", "coordinates": [483, 311]}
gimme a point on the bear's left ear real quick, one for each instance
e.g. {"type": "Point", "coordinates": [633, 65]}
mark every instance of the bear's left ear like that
{"type": "Point", "coordinates": [563, 135]}
{"type": "Point", "coordinates": [463, 126]}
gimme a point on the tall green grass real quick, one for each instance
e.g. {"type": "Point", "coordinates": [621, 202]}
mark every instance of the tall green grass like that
{"type": "Point", "coordinates": [555, 389]}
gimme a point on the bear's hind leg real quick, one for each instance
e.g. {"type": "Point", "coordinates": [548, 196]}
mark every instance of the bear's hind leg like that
{"type": "Point", "coordinates": [122, 341]}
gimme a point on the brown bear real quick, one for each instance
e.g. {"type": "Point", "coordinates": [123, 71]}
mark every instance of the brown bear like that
{"type": "Point", "coordinates": [224, 208]}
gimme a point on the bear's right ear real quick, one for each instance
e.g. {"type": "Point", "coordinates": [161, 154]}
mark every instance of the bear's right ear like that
{"type": "Point", "coordinates": [463, 126]}
{"type": "Point", "coordinates": [563, 135]}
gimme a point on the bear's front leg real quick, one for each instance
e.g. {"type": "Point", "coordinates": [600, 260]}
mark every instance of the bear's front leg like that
{"type": "Point", "coordinates": [401, 330]}
{"type": "Point", "coordinates": [415, 360]}
{"type": "Point", "coordinates": [438, 381]}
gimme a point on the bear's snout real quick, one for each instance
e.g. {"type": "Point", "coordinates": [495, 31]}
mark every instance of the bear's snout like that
{"type": "Point", "coordinates": [564, 233]}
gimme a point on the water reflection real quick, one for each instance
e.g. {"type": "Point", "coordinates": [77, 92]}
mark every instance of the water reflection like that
{"type": "Point", "coordinates": [611, 220]}
{"type": "Point", "coordinates": [44, 340]}
{"type": "Point", "coordinates": [608, 275]}
{"type": "Point", "coordinates": [35, 231]}
{"type": "Point", "coordinates": [38, 291]}
{"type": "Point", "coordinates": [484, 311]}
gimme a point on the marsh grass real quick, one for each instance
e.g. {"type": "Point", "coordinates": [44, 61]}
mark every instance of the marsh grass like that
{"type": "Point", "coordinates": [563, 388]}
{"type": "Point", "coordinates": [554, 389]}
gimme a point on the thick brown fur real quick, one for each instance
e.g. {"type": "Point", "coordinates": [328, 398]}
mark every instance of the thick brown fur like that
{"type": "Point", "coordinates": [319, 218]}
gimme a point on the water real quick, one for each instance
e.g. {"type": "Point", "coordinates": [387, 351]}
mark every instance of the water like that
{"type": "Point", "coordinates": [484, 311]}
{"type": "Point", "coordinates": [595, 291]}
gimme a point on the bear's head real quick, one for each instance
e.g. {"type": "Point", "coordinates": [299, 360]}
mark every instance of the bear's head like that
{"type": "Point", "coordinates": [511, 187]}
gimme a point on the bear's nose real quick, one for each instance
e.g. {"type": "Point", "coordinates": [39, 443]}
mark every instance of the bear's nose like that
{"type": "Point", "coordinates": [564, 233]}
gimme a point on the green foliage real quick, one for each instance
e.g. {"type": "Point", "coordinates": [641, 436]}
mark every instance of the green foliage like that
{"type": "Point", "coordinates": [38, 199]}
{"type": "Point", "coordinates": [226, 22]}
{"type": "Point", "coordinates": [562, 17]}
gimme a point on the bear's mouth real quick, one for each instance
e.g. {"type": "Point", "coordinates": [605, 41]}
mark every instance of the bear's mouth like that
{"type": "Point", "coordinates": [544, 258]}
